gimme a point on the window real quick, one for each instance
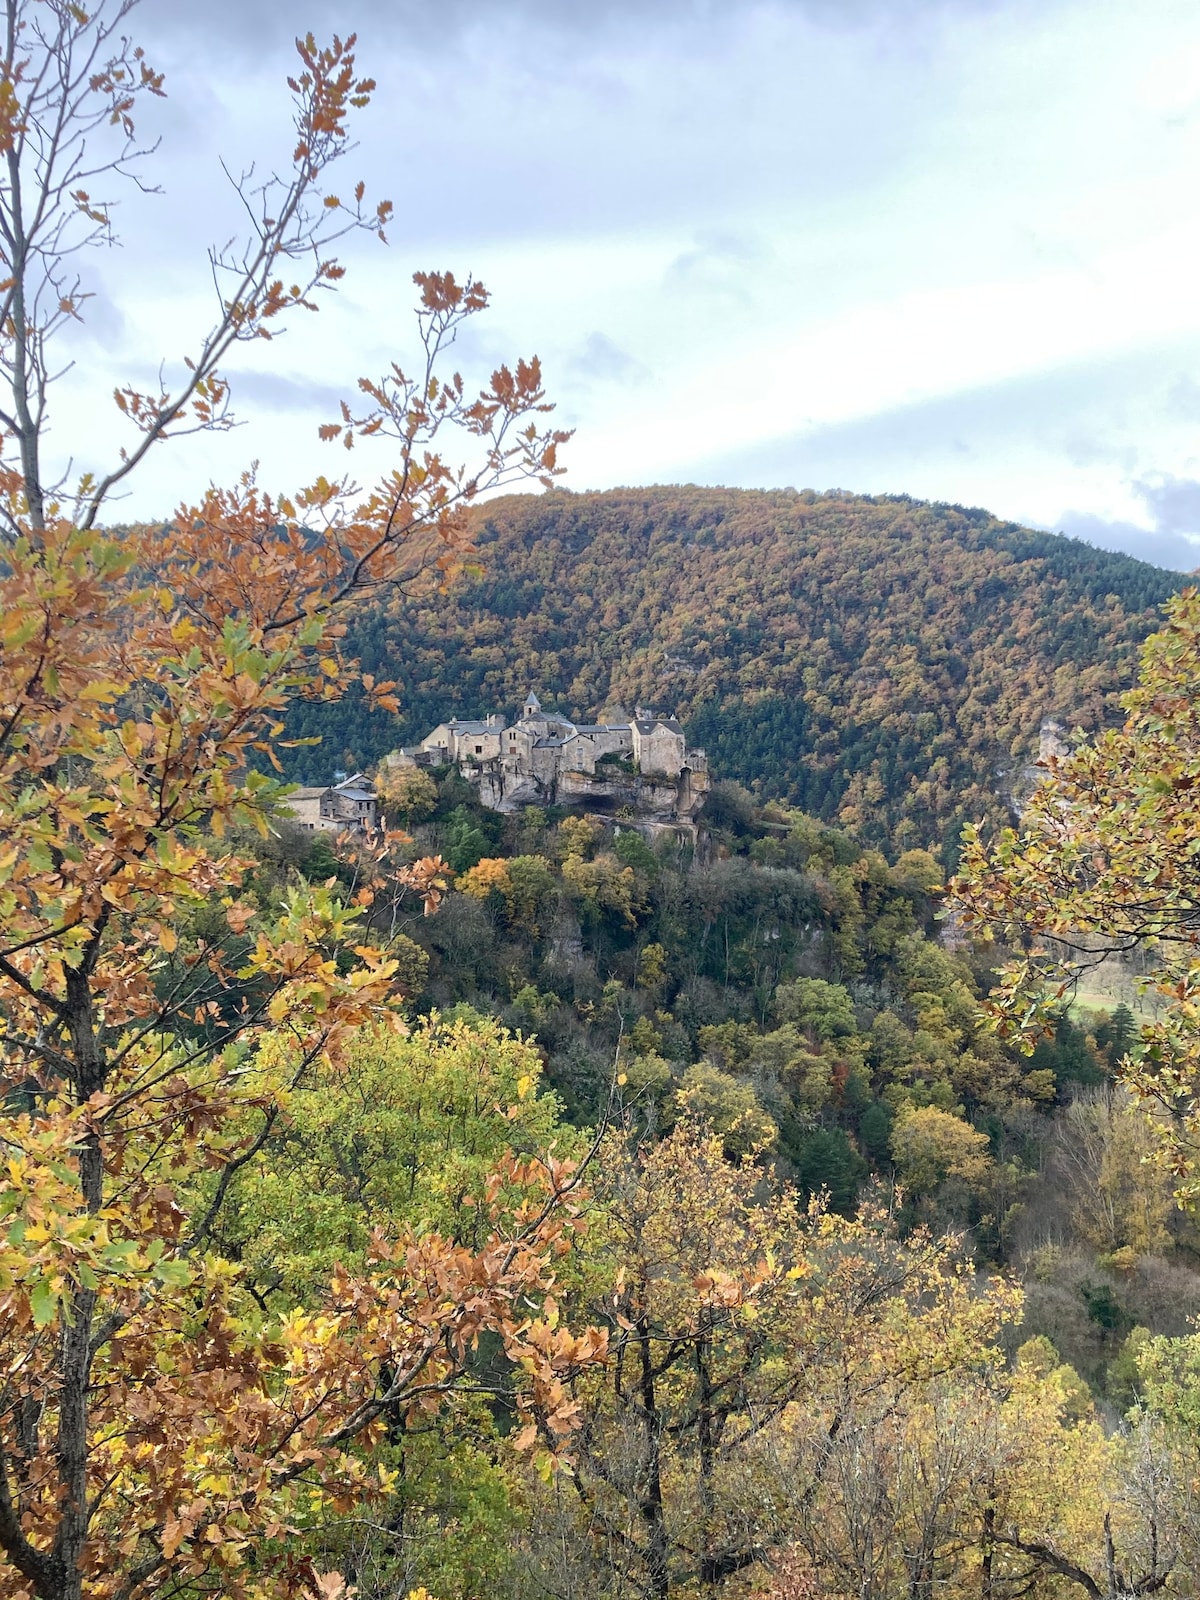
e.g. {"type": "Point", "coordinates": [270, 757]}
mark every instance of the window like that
{"type": "Point", "coordinates": [478, 749]}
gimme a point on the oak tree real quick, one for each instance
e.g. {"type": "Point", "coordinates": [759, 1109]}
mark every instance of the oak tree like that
{"type": "Point", "coordinates": [1104, 865]}
{"type": "Point", "coordinates": [747, 1333]}
{"type": "Point", "coordinates": [156, 1428]}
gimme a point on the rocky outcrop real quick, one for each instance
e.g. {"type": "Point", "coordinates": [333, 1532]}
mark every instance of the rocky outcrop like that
{"type": "Point", "coordinates": [1018, 784]}
{"type": "Point", "coordinates": [610, 792]}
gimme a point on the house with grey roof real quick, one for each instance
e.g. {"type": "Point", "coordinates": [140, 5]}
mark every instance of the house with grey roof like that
{"type": "Point", "coordinates": [457, 742]}
{"type": "Point", "coordinates": [349, 806]}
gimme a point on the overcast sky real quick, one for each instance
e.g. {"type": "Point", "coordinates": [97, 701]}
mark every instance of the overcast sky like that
{"type": "Point", "coordinates": [943, 247]}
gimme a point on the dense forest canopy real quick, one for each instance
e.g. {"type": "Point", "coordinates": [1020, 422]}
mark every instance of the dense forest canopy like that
{"type": "Point", "coordinates": [899, 1299]}
{"type": "Point", "coordinates": [875, 660]}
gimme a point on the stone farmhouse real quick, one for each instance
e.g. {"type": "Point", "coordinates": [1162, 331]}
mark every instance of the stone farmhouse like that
{"type": "Point", "coordinates": [639, 765]}
{"type": "Point", "coordinates": [349, 806]}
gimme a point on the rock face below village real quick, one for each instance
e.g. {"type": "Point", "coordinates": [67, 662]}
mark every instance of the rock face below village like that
{"type": "Point", "coordinates": [653, 805]}
{"type": "Point", "coordinates": [639, 769]}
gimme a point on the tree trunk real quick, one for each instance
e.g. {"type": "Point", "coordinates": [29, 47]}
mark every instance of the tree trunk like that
{"type": "Point", "coordinates": [988, 1548]}
{"type": "Point", "coordinates": [658, 1571]}
{"type": "Point", "coordinates": [707, 1448]}
{"type": "Point", "coordinates": [76, 1347]}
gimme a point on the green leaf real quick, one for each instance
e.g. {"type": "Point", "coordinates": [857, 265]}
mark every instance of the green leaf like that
{"type": "Point", "coordinates": [43, 1302]}
{"type": "Point", "coordinates": [39, 857]}
{"type": "Point", "coordinates": [173, 1274]}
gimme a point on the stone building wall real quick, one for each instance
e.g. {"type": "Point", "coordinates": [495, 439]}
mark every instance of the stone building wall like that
{"type": "Point", "coordinates": [544, 758]}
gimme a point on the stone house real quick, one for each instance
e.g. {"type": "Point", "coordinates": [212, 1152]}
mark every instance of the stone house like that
{"type": "Point", "coordinates": [659, 745]}
{"type": "Point", "coordinates": [464, 742]}
{"type": "Point", "coordinates": [350, 805]}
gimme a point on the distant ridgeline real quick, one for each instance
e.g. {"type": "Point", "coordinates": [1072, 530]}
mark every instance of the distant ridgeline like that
{"type": "Point", "coordinates": [877, 660]}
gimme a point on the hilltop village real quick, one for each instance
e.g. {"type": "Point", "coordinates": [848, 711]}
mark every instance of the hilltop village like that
{"type": "Point", "coordinates": [637, 767]}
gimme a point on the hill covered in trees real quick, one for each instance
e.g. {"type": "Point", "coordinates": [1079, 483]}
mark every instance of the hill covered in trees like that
{"type": "Point", "coordinates": [881, 661]}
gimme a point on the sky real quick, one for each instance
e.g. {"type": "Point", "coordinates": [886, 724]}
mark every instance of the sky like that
{"type": "Point", "coordinates": [947, 248]}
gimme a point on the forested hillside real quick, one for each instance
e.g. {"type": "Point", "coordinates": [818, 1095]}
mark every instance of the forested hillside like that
{"type": "Point", "coordinates": [781, 1020]}
{"type": "Point", "coordinates": [881, 661]}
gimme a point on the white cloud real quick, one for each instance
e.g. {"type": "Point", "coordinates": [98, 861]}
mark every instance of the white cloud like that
{"type": "Point", "coordinates": [941, 248]}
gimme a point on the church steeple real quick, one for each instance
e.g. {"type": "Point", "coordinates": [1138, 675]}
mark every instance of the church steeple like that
{"type": "Point", "coordinates": [533, 706]}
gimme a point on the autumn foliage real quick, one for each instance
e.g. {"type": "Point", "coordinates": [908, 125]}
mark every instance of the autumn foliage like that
{"type": "Point", "coordinates": [309, 1283]}
{"type": "Point", "coordinates": [1104, 864]}
{"type": "Point", "coordinates": [155, 1426]}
